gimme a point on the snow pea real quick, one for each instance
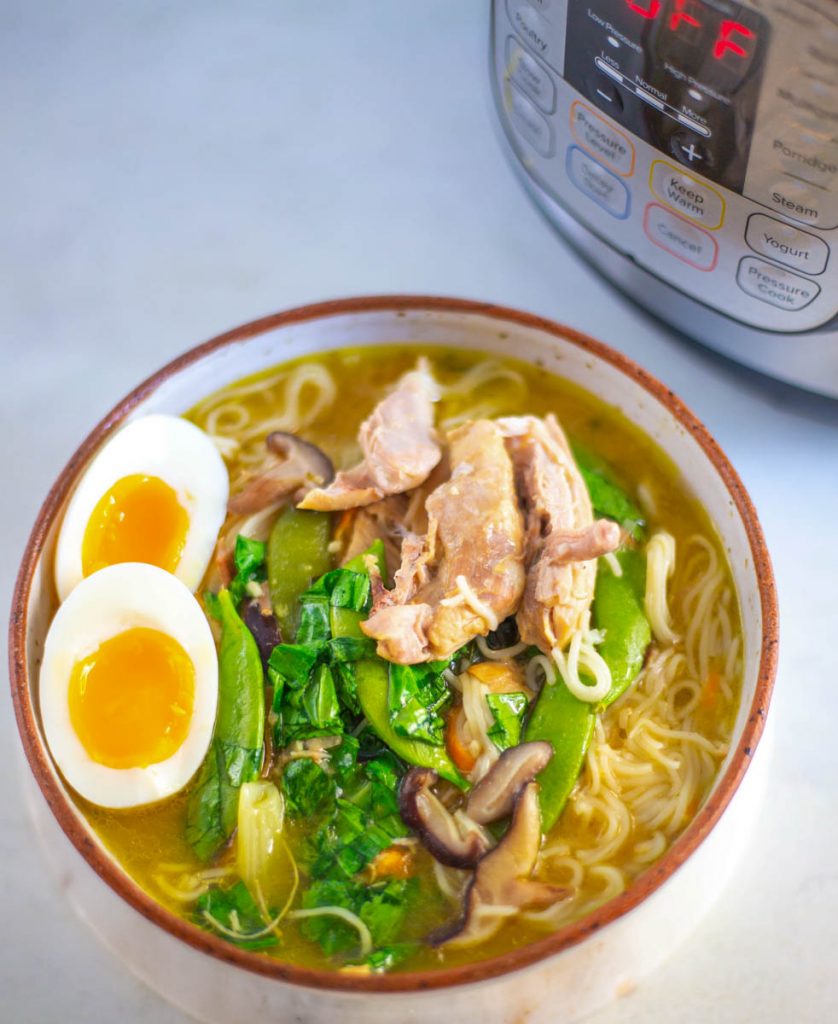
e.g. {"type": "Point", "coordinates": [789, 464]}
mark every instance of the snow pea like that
{"type": "Point", "coordinates": [235, 754]}
{"type": "Point", "coordinates": [618, 610]}
{"type": "Point", "coordinates": [607, 497]}
{"type": "Point", "coordinates": [345, 621]}
{"type": "Point", "coordinates": [567, 723]}
{"type": "Point", "coordinates": [373, 681]}
{"type": "Point", "coordinates": [298, 554]}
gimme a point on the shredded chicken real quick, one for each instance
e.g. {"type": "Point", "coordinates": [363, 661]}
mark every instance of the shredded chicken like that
{"type": "Point", "coordinates": [399, 446]}
{"type": "Point", "coordinates": [562, 540]}
{"type": "Point", "coordinates": [466, 573]}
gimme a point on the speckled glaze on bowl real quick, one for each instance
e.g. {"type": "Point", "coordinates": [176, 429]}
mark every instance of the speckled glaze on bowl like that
{"type": "Point", "coordinates": [557, 979]}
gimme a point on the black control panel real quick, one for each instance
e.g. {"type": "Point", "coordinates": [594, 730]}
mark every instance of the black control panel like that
{"type": "Point", "coordinates": [684, 75]}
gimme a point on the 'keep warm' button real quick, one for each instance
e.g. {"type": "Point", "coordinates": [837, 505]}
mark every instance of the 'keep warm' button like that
{"type": "Point", "coordinates": [680, 238]}
{"type": "Point", "coordinates": [687, 195]}
{"type": "Point", "coordinates": [774, 285]}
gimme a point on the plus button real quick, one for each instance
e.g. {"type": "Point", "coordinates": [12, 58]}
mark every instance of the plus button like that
{"type": "Point", "coordinates": [691, 152]}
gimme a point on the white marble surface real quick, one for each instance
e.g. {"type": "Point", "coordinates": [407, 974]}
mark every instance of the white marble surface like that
{"type": "Point", "coordinates": [171, 170]}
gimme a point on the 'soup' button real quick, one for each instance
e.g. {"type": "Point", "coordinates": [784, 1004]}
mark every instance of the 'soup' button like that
{"type": "Point", "coordinates": [774, 285]}
{"type": "Point", "coordinates": [680, 238]}
{"type": "Point", "coordinates": [529, 123]}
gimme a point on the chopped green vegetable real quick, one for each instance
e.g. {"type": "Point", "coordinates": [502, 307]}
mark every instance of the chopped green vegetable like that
{"type": "Point", "coordinates": [309, 790]}
{"type": "Point", "coordinates": [508, 710]}
{"type": "Point", "coordinates": [233, 912]}
{"type": "Point", "coordinates": [416, 697]}
{"type": "Point", "coordinates": [372, 679]}
{"type": "Point", "coordinates": [249, 560]}
{"type": "Point", "coordinates": [261, 819]}
{"type": "Point", "coordinates": [298, 553]}
{"type": "Point", "coordinates": [385, 958]}
{"type": "Point", "coordinates": [382, 907]}
{"type": "Point", "coordinates": [310, 709]}
{"type": "Point", "coordinates": [343, 588]}
{"type": "Point", "coordinates": [294, 661]}
{"type": "Point", "coordinates": [235, 754]}
{"type": "Point", "coordinates": [607, 497]}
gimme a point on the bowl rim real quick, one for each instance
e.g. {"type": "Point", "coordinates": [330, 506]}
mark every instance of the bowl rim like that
{"type": "Point", "coordinates": [569, 935]}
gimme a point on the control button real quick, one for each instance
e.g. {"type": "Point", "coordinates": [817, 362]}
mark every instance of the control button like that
{"type": "Point", "coordinates": [690, 151]}
{"type": "Point", "coordinates": [601, 139]}
{"type": "Point", "coordinates": [604, 93]}
{"type": "Point", "coordinates": [680, 238]}
{"type": "Point", "coordinates": [597, 183]}
{"type": "Point", "coordinates": [796, 199]}
{"type": "Point", "coordinates": [774, 285]}
{"type": "Point", "coordinates": [529, 123]}
{"type": "Point", "coordinates": [687, 195]}
{"type": "Point", "coordinates": [531, 75]}
{"type": "Point", "coordinates": [785, 244]}
{"type": "Point", "coordinates": [531, 27]}
{"type": "Point", "coordinates": [542, 5]}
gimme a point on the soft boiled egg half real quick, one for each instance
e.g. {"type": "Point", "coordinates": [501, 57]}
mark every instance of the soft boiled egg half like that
{"type": "Point", "coordinates": [156, 493]}
{"type": "Point", "coordinates": [129, 686]}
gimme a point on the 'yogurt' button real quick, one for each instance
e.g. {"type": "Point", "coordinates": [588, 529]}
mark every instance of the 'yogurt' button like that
{"type": "Point", "coordinates": [601, 139]}
{"type": "Point", "coordinates": [687, 195]}
{"type": "Point", "coordinates": [529, 123]}
{"type": "Point", "coordinates": [774, 285]}
{"type": "Point", "coordinates": [597, 183]}
{"type": "Point", "coordinates": [531, 75]}
{"type": "Point", "coordinates": [786, 244]}
{"type": "Point", "coordinates": [680, 238]}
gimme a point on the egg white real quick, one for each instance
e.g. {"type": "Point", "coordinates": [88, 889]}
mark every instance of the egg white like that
{"type": "Point", "coordinates": [175, 451]}
{"type": "Point", "coordinates": [110, 601]}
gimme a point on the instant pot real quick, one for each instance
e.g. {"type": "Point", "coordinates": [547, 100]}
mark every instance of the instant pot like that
{"type": "Point", "coordinates": [689, 149]}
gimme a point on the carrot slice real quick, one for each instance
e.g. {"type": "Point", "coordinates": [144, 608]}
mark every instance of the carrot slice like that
{"type": "Point", "coordinates": [710, 690]}
{"type": "Point", "coordinates": [500, 676]}
{"type": "Point", "coordinates": [394, 862]}
{"type": "Point", "coordinates": [457, 749]}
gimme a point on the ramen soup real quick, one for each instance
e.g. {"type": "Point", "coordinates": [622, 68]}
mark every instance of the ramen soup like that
{"type": "Point", "coordinates": [389, 658]}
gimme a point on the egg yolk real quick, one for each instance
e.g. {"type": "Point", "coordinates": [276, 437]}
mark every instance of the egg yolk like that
{"type": "Point", "coordinates": [131, 699]}
{"type": "Point", "coordinates": [138, 520]}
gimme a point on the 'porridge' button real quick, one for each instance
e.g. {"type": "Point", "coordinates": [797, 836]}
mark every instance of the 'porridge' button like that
{"type": "Point", "coordinates": [786, 244]}
{"type": "Point", "coordinates": [680, 238]}
{"type": "Point", "coordinates": [774, 285]}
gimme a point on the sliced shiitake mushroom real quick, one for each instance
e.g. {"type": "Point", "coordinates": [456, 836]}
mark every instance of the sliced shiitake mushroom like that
{"type": "Point", "coordinates": [495, 795]}
{"type": "Point", "coordinates": [453, 839]}
{"type": "Point", "coordinates": [296, 468]}
{"type": "Point", "coordinates": [502, 879]}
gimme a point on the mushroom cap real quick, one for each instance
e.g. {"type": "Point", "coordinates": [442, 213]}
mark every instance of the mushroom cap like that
{"type": "Point", "coordinates": [495, 795]}
{"type": "Point", "coordinates": [453, 839]}
{"type": "Point", "coordinates": [299, 467]}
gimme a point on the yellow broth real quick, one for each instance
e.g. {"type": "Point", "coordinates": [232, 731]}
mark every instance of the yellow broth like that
{"type": "Point", "coordinates": [143, 839]}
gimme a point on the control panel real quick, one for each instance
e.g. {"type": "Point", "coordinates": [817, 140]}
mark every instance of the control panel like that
{"type": "Point", "coordinates": [697, 137]}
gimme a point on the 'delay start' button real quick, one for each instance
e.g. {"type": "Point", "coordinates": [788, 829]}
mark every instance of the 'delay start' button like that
{"type": "Point", "coordinates": [599, 184]}
{"type": "Point", "coordinates": [687, 195]}
{"type": "Point", "coordinates": [680, 238]}
{"type": "Point", "coordinates": [774, 285]}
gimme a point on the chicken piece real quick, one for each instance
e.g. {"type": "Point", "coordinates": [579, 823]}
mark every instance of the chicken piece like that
{"type": "Point", "coordinates": [562, 540]}
{"type": "Point", "coordinates": [383, 520]}
{"type": "Point", "coordinates": [399, 446]}
{"type": "Point", "coordinates": [466, 573]}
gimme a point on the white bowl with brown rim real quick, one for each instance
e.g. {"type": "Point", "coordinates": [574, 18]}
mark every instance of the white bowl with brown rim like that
{"type": "Point", "coordinates": [571, 971]}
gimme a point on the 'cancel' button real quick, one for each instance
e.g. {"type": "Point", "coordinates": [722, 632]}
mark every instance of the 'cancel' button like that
{"type": "Point", "coordinates": [774, 285]}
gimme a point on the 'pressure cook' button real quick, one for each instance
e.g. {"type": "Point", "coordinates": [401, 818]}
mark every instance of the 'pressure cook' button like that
{"type": "Point", "coordinates": [687, 195]}
{"type": "Point", "coordinates": [785, 244]}
{"type": "Point", "coordinates": [597, 183]}
{"type": "Point", "coordinates": [601, 139]}
{"type": "Point", "coordinates": [529, 123]}
{"type": "Point", "coordinates": [530, 74]}
{"type": "Point", "coordinates": [774, 285]}
{"type": "Point", "coordinates": [680, 238]}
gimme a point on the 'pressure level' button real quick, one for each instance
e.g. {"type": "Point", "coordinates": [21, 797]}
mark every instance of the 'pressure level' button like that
{"type": "Point", "coordinates": [601, 139]}
{"type": "Point", "coordinates": [774, 285]}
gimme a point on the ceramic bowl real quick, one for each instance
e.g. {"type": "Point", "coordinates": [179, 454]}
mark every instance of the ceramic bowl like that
{"type": "Point", "coordinates": [558, 978]}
